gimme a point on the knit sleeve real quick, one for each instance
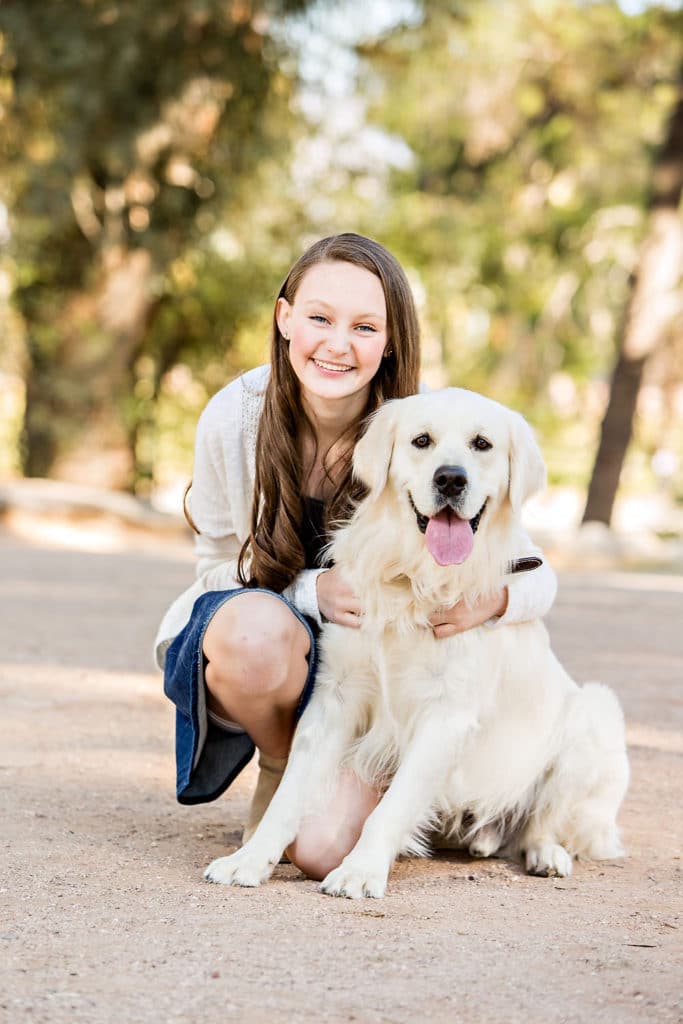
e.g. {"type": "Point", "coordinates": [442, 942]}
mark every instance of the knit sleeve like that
{"type": "Point", "coordinates": [530, 594]}
{"type": "Point", "coordinates": [222, 489]}
{"type": "Point", "coordinates": [303, 594]}
{"type": "Point", "coordinates": [217, 495]}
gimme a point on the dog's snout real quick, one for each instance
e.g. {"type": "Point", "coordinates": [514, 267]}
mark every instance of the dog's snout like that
{"type": "Point", "coordinates": [450, 481]}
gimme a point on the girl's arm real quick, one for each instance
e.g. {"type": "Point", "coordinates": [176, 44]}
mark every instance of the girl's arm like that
{"type": "Point", "coordinates": [220, 503]}
{"type": "Point", "coordinates": [218, 497]}
{"type": "Point", "coordinates": [530, 595]}
{"type": "Point", "coordinates": [525, 596]}
{"type": "Point", "coordinates": [211, 500]}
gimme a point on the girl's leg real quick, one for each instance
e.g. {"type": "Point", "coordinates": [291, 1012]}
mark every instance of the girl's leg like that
{"type": "Point", "coordinates": [325, 840]}
{"type": "Point", "coordinates": [256, 651]}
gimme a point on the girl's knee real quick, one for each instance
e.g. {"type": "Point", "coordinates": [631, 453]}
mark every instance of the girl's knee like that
{"type": "Point", "coordinates": [253, 645]}
{"type": "Point", "coordinates": [316, 853]}
{"type": "Point", "coordinates": [324, 841]}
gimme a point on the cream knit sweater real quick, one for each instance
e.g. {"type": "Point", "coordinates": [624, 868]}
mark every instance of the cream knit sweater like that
{"type": "Point", "coordinates": [220, 504]}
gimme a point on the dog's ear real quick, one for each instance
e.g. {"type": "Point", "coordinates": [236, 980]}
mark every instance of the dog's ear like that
{"type": "Point", "coordinates": [372, 454]}
{"type": "Point", "coordinates": [527, 468]}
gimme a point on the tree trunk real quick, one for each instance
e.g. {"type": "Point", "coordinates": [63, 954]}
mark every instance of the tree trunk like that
{"type": "Point", "coordinates": [652, 304]}
{"type": "Point", "coordinates": [77, 427]}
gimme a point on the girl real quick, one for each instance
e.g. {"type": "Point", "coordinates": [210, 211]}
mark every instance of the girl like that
{"type": "Point", "coordinates": [272, 470]}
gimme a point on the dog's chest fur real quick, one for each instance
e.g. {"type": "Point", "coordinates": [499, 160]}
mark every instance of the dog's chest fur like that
{"type": "Point", "coordinates": [389, 681]}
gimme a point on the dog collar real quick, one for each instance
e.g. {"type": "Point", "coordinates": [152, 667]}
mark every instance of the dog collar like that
{"type": "Point", "coordinates": [523, 564]}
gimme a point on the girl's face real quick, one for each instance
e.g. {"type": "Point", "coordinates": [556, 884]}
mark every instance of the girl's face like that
{"type": "Point", "coordinates": [337, 330]}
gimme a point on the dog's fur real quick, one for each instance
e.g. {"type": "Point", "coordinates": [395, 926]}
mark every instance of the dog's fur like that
{"type": "Point", "coordinates": [483, 733]}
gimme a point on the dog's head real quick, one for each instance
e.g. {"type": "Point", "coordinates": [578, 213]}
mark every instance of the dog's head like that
{"type": "Point", "coordinates": [452, 458]}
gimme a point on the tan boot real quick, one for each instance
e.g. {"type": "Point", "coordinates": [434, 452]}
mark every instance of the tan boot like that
{"type": "Point", "coordinates": [271, 770]}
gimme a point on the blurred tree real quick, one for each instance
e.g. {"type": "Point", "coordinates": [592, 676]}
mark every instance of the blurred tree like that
{"type": "Point", "coordinates": [519, 197]}
{"type": "Point", "coordinates": [130, 133]}
{"type": "Point", "coordinates": [531, 127]}
{"type": "Point", "coordinates": [654, 304]}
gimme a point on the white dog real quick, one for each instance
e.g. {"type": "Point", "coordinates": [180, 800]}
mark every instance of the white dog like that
{"type": "Point", "coordinates": [483, 731]}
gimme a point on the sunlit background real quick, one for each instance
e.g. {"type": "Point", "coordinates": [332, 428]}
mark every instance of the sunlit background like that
{"type": "Point", "coordinates": [162, 164]}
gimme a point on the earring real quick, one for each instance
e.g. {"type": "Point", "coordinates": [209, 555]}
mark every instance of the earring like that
{"type": "Point", "coordinates": [389, 352]}
{"type": "Point", "coordinates": [285, 336]}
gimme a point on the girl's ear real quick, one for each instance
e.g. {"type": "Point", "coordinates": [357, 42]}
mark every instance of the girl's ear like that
{"type": "Point", "coordinates": [372, 454]}
{"type": "Point", "coordinates": [527, 468]}
{"type": "Point", "coordinates": [282, 314]}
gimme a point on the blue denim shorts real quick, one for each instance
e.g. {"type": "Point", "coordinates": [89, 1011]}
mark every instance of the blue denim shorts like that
{"type": "Point", "coordinates": [209, 758]}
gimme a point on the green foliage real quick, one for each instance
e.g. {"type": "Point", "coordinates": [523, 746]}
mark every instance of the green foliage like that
{"type": "Point", "coordinates": [161, 177]}
{"type": "Point", "coordinates": [131, 132]}
{"type": "Point", "coordinates": [532, 127]}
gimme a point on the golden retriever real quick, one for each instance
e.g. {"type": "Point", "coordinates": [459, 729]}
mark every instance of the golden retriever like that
{"type": "Point", "coordinates": [483, 733]}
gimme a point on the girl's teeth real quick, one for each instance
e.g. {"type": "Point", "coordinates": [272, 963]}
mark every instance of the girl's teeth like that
{"type": "Point", "coordinates": [331, 366]}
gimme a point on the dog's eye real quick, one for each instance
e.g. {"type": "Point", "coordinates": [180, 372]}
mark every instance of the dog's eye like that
{"type": "Point", "coordinates": [421, 441]}
{"type": "Point", "coordinates": [480, 443]}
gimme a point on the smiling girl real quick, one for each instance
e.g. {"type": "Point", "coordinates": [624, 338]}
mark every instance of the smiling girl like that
{"type": "Point", "coordinates": [272, 471]}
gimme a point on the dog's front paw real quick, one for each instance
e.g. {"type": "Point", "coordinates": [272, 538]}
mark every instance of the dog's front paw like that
{"type": "Point", "coordinates": [355, 882]}
{"type": "Point", "coordinates": [549, 860]}
{"type": "Point", "coordinates": [239, 868]}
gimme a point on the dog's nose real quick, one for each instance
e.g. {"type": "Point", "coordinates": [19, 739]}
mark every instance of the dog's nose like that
{"type": "Point", "coordinates": [450, 481]}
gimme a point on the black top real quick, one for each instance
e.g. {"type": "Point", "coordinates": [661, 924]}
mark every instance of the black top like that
{"type": "Point", "coordinates": [313, 534]}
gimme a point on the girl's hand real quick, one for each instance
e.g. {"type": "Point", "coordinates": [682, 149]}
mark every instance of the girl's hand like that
{"type": "Point", "coordinates": [449, 621]}
{"type": "Point", "coordinates": [336, 600]}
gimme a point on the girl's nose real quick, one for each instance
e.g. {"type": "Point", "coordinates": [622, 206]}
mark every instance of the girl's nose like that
{"type": "Point", "coordinates": [338, 339]}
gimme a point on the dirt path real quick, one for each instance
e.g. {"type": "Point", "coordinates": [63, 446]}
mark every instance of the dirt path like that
{"type": "Point", "coordinates": [104, 916]}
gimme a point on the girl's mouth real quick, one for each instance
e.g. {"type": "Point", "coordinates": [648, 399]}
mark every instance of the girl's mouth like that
{"type": "Point", "coordinates": [331, 367]}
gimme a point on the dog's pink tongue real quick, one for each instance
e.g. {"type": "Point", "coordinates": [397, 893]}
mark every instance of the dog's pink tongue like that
{"type": "Point", "coordinates": [449, 539]}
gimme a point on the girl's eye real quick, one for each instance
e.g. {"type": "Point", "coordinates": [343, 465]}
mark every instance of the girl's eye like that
{"type": "Point", "coordinates": [318, 318]}
{"type": "Point", "coordinates": [480, 443]}
{"type": "Point", "coordinates": [421, 441]}
{"type": "Point", "coordinates": [367, 328]}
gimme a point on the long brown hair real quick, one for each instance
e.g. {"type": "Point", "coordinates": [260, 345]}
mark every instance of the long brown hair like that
{"type": "Point", "coordinates": [273, 553]}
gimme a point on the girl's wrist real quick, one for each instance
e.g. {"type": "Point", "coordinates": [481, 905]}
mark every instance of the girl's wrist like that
{"type": "Point", "coordinates": [502, 604]}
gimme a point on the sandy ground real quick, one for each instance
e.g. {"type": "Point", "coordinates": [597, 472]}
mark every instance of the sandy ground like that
{"type": "Point", "coordinates": [104, 914]}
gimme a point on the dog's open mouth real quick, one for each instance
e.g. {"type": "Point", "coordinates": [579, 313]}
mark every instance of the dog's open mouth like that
{"type": "Point", "coordinates": [449, 538]}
